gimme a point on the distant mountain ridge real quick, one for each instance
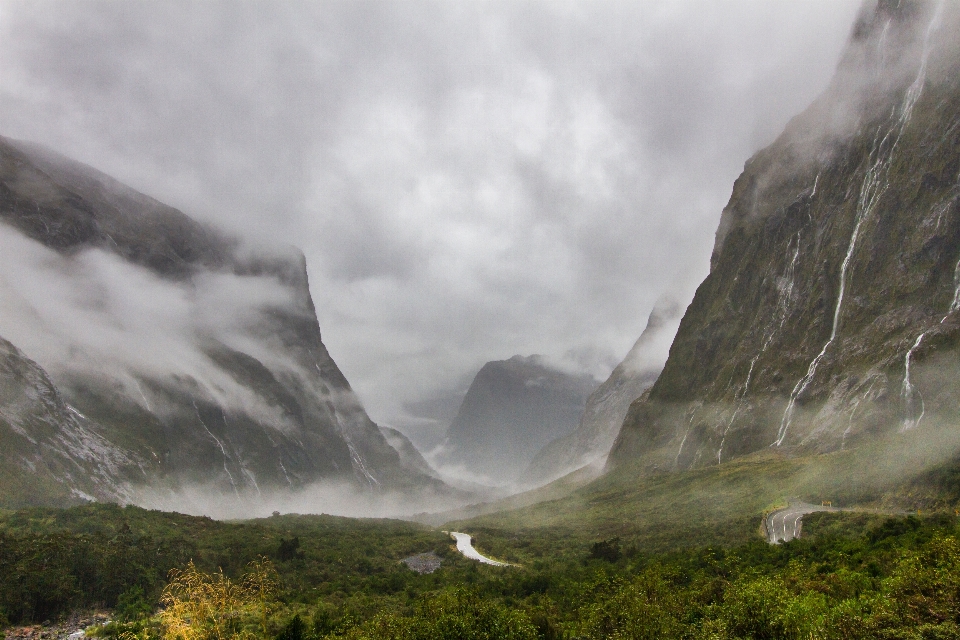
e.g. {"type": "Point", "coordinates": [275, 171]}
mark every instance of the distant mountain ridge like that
{"type": "Point", "coordinates": [831, 311]}
{"type": "Point", "coordinates": [607, 406]}
{"type": "Point", "coordinates": [251, 403]}
{"type": "Point", "coordinates": [513, 408]}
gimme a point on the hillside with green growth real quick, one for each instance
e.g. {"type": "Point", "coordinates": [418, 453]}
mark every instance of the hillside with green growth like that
{"type": "Point", "coordinates": [289, 577]}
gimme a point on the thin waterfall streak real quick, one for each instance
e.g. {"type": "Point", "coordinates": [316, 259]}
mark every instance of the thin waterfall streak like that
{"type": "Point", "coordinates": [250, 475]}
{"type": "Point", "coordinates": [355, 456]}
{"type": "Point", "coordinates": [222, 449]}
{"type": "Point", "coordinates": [908, 391]}
{"type": "Point", "coordinates": [783, 301]}
{"type": "Point", "coordinates": [843, 438]}
{"type": "Point", "coordinates": [676, 460]}
{"type": "Point", "coordinates": [798, 389]}
{"type": "Point", "coordinates": [880, 45]}
{"type": "Point", "coordinates": [693, 414]}
{"type": "Point", "coordinates": [874, 185]}
{"type": "Point", "coordinates": [284, 469]}
{"type": "Point", "coordinates": [743, 393]}
{"type": "Point", "coordinates": [145, 401]}
{"type": "Point", "coordinates": [955, 305]}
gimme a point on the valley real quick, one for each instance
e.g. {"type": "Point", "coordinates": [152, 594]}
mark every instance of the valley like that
{"type": "Point", "coordinates": [182, 458]}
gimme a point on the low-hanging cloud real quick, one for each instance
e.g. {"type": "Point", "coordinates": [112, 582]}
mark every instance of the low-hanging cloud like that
{"type": "Point", "coordinates": [468, 180]}
{"type": "Point", "coordinates": [94, 315]}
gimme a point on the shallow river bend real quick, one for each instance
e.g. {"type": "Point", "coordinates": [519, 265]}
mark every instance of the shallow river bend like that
{"type": "Point", "coordinates": [465, 547]}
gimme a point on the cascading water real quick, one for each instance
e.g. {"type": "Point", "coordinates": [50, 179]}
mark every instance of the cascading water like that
{"type": "Point", "coordinates": [355, 456]}
{"type": "Point", "coordinates": [783, 302]}
{"type": "Point", "coordinates": [909, 393]}
{"type": "Point", "coordinates": [693, 414]}
{"type": "Point", "coordinates": [853, 412]}
{"type": "Point", "coordinates": [875, 184]}
{"type": "Point", "coordinates": [223, 449]}
{"type": "Point", "coordinates": [955, 305]}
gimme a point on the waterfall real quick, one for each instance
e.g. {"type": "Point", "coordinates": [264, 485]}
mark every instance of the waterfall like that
{"type": "Point", "coordinates": [875, 184]}
{"type": "Point", "coordinates": [222, 449]}
{"type": "Point", "coordinates": [783, 303]}
{"type": "Point", "coordinates": [909, 392]}
{"type": "Point", "coordinates": [955, 305]}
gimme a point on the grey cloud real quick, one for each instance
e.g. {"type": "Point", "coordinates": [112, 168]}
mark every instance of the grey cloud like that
{"type": "Point", "coordinates": [468, 180]}
{"type": "Point", "coordinates": [95, 315]}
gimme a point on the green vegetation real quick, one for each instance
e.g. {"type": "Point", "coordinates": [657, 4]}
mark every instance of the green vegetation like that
{"type": "Point", "coordinates": [853, 575]}
{"type": "Point", "coordinates": [629, 555]}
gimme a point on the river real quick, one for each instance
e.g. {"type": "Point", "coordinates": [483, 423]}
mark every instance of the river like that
{"type": "Point", "coordinates": [465, 546]}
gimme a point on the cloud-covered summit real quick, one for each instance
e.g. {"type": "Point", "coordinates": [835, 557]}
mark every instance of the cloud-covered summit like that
{"type": "Point", "coordinates": [468, 180]}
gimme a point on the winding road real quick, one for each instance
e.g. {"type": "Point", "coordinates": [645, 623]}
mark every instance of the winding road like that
{"type": "Point", "coordinates": [784, 524]}
{"type": "Point", "coordinates": [465, 546]}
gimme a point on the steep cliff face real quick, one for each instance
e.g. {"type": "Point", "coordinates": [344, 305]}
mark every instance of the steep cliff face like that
{"type": "Point", "coordinates": [51, 452]}
{"type": "Point", "coordinates": [607, 406]}
{"type": "Point", "coordinates": [512, 409]}
{"type": "Point", "coordinates": [831, 309]}
{"type": "Point", "coordinates": [193, 360]}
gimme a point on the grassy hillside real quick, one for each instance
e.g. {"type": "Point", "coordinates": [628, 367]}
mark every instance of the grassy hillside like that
{"type": "Point", "coordinates": [724, 505]}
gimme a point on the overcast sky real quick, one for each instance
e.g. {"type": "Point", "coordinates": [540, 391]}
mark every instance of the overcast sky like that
{"type": "Point", "coordinates": [468, 180]}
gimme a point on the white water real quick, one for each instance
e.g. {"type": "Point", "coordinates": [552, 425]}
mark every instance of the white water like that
{"type": "Point", "coordinates": [955, 305]}
{"type": "Point", "coordinates": [222, 450]}
{"type": "Point", "coordinates": [284, 469]}
{"type": "Point", "coordinates": [465, 546]}
{"type": "Point", "coordinates": [743, 392]}
{"type": "Point", "coordinates": [693, 414]}
{"type": "Point", "coordinates": [355, 456]}
{"type": "Point", "coordinates": [73, 410]}
{"type": "Point", "coordinates": [875, 184]}
{"type": "Point", "coordinates": [853, 412]}
{"type": "Point", "coordinates": [783, 302]}
{"type": "Point", "coordinates": [676, 460]}
{"type": "Point", "coordinates": [909, 393]}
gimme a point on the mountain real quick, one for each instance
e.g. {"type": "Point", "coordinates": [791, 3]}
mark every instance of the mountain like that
{"type": "Point", "coordinates": [512, 409]}
{"type": "Point", "coordinates": [145, 353]}
{"type": "Point", "coordinates": [607, 406]}
{"type": "Point", "coordinates": [410, 456]}
{"type": "Point", "coordinates": [830, 314]}
{"type": "Point", "coordinates": [51, 451]}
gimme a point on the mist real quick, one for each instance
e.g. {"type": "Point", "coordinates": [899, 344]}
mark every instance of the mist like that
{"type": "Point", "coordinates": [326, 497]}
{"type": "Point", "coordinates": [96, 316]}
{"type": "Point", "coordinates": [468, 181]}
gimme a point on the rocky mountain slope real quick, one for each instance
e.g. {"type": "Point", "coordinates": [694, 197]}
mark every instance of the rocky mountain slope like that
{"type": "Point", "coordinates": [154, 351]}
{"type": "Point", "coordinates": [607, 406]}
{"type": "Point", "coordinates": [830, 313]}
{"type": "Point", "coordinates": [512, 409]}
{"type": "Point", "coordinates": [50, 450]}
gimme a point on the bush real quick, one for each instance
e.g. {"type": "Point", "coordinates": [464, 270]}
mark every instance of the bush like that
{"type": "Point", "coordinates": [456, 615]}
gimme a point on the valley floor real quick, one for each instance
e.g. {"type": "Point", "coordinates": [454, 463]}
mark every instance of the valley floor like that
{"type": "Point", "coordinates": [613, 557]}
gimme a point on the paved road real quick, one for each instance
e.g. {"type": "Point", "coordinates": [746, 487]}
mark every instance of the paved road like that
{"type": "Point", "coordinates": [465, 546]}
{"type": "Point", "coordinates": [784, 524]}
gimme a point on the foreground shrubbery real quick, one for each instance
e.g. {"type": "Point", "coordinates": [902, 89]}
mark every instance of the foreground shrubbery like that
{"type": "Point", "coordinates": [852, 578]}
